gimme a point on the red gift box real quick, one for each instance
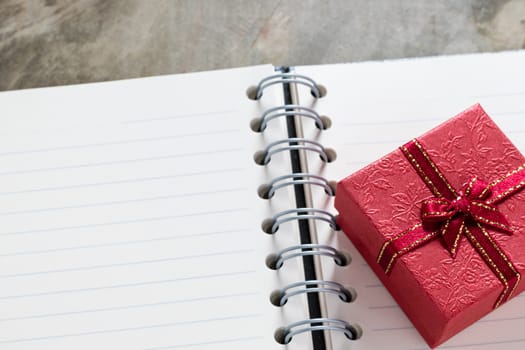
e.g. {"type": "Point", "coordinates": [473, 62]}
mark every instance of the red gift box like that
{"type": "Point", "coordinates": [441, 221]}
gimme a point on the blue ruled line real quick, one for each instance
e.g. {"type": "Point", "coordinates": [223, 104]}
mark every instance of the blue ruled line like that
{"type": "Point", "coordinates": [393, 329]}
{"type": "Point", "coordinates": [192, 115]}
{"type": "Point", "coordinates": [124, 161]}
{"type": "Point", "coordinates": [123, 222]}
{"type": "Point", "coordinates": [120, 142]}
{"type": "Point", "coordinates": [121, 243]}
{"type": "Point", "coordinates": [127, 201]}
{"type": "Point", "coordinates": [128, 307]}
{"type": "Point", "coordinates": [127, 285]}
{"type": "Point", "coordinates": [222, 341]}
{"type": "Point", "coordinates": [379, 307]}
{"type": "Point", "coordinates": [141, 262]}
{"type": "Point", "coordinates": [128, 329]}
{"type": "Point", "coordinates": [117, 182]}
{"type": "Point", "coordinates": [510, 341]}
{"type": "Point", "coordinates": [502, 319]}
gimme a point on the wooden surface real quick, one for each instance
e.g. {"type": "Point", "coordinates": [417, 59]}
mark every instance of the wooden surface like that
{"type": "Point", "coordinates": [55, 42]}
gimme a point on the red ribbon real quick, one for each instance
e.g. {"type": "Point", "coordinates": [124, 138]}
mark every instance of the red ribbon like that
{"type": "Point", "coordinates": [453, 214]}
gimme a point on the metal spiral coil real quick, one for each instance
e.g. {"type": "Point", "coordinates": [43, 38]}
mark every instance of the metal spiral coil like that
{"type": "Point", "coordinates": [279, 297]}
{"type": "Point", "coordinates": [298, 145]}
{"type": "Point", "coordinates": [256, 92]}
{"type": "Point", "coordinates": [293, 143]}
{"type": "Point", "coordinates": [271, 225]}
{"type": "Point", "coordinates": [267, 191]}
{"type": "Point", "coordinates": [259, 124]}
{"type": "Point", "coordinates": [284, 335]}
{"type": "Point", "coordinates": [275, 261]}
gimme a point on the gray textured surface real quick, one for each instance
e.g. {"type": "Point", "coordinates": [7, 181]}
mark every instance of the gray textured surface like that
{"type": "Point", "coordinates": [54, 42]}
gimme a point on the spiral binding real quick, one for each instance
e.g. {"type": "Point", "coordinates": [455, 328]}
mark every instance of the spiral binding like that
{"type": "Point", "coordinates": [266, 191]}
{"type": "Point", "coordinates": [317, 90]}
{"type": "Point", "coordinates": [279, 297]}
{"type": "Point", "coordinates": [259, 124]}
{"type": "Point", "coordinates": [271, 225]}
{"type": "Point", "coordinates": [275, 261]}
{"type": "Point", "coordinates": [285, 334]}
{"type": "Point", "coordinates": [293, 143]}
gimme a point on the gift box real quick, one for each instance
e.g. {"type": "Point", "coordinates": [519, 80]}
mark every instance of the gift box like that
{"type": "Point", "coordinates": [441, 221]}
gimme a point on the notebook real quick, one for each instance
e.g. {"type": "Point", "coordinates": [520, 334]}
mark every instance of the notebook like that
{"type": "Point", "coordinates": [134, 214]}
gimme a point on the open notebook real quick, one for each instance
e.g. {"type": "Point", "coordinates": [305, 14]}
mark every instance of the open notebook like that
{"type": "Point", "coordinates": [130, 217]}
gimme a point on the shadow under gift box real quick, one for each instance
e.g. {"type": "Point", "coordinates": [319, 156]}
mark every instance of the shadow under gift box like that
{"type": "Point", "coordinates": [441, 295]}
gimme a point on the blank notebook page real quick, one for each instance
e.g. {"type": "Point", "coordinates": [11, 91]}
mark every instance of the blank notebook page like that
{"type": "Point", "coordinates": [127, 218]}
{"type": "Point", "coordinates": [378, 106]}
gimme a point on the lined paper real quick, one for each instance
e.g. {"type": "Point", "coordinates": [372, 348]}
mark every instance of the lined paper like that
{"type": "Point", "coordinates": [377, 106]}
{"type": "Point", "coordinates": [130, 217]}
{"type": "Point", "coordinates": [127, 216]}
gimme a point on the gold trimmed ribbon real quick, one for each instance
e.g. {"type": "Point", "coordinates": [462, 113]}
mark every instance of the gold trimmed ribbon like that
{"type": "Point", "coordinates": [452, 214]}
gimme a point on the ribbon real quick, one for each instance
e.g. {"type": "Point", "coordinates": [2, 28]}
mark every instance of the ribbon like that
{"type": "Point", "coordinates": [452, 214]}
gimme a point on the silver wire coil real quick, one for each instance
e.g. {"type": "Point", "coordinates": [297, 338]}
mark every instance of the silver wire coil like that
{"type": "Point", "coordinates": [263, 157]}
{"type": "Point", "coordinates": [275, 261]}
{"type": "Point", "coordinates": [271, 225]}
{"type": "Point", "coordinates": [267, 191]}
{"type": "Point", "coordinates": [317, 90]}
{"type": "Point", "coordinates": [259, 124]}
{"type": "Point", "coordinates": [284, 335]}
{"type": "Point", "coordinates": [279, 297]}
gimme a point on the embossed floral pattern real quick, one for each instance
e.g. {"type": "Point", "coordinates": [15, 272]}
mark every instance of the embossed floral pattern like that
{"type": "Point", "coordinates": [390, 192]}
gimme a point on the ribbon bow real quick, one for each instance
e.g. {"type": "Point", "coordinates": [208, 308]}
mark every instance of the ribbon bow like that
{"type": "Point", "coordinates": [452, 214]}
{"type": "Point", "coordinates": [467, 209]}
